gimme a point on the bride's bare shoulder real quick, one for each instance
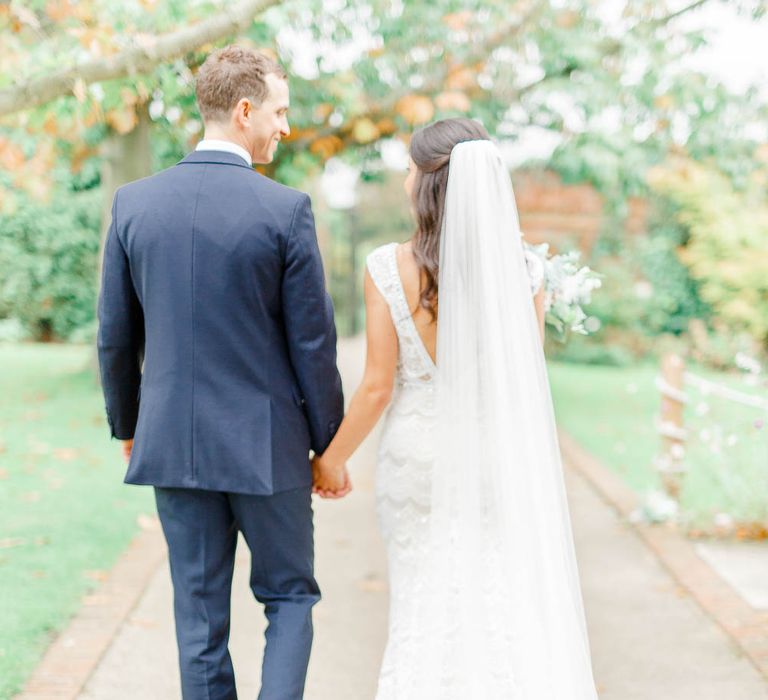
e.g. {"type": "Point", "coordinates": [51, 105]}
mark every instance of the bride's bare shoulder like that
{"type": "Point", "coordinates": [404, 253]}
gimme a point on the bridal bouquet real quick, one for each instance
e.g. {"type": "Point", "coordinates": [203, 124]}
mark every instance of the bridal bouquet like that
{"type": "Point", "coordinates": [567, 288]}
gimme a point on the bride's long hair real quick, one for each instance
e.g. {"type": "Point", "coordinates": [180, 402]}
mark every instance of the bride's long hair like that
{"type": "Point", "coordinates": [431, 152]}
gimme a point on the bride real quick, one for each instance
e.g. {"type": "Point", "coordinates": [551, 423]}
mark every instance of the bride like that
{"type": "Point", "coordinates": [485, 600]}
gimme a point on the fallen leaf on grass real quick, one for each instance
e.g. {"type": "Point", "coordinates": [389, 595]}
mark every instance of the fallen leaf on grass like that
{"type": "Point", "coordinates": [3, 474]}
{"type": "Point", "coordinates": [39, 573]}
{"type": "Point", "coordinates": [30, 496]}
{"type": "Point", "coordinates": [96, 575]}
{"type": "Point", "coordinates": [8, 542]}
{"type": "Point", "coordinates": [65, 454]}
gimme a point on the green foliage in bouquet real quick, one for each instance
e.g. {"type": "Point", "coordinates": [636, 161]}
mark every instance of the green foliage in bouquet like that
{"type": "Point", "coordinates": [49, 258]}
{"type": "Point", "coordinates": [568, 288]}
{"type": "Point", "coordinates": [726, 250]}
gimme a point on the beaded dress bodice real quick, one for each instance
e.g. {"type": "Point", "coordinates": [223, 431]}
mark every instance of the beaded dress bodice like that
{"type": "Point", "coordinates": [404, 484]}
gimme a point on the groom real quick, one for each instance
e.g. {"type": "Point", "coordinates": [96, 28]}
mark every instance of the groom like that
{"type": "Point", "coordinates": [217, 351]}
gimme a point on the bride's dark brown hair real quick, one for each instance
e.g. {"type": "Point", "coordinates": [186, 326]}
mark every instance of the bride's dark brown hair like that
{"type": "Point", "coordinates": [431, 152]}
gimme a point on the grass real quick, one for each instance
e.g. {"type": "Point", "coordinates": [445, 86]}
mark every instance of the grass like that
{"type": "Point", "coordinates": [611, 411]}
{"type": "Point", "coordinates": [65, 514]}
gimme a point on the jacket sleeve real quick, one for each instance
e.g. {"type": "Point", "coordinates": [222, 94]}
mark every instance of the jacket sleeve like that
{"type": "Point", "coordinates": [120, 338]}
{"type": "Point", "coordinates": [310, 328]}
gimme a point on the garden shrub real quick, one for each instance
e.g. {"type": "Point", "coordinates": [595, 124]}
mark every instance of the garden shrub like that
{"type": "Point", "coordinates": [49, 261]}
{"type": "Point", "coordinates": [726, 250]}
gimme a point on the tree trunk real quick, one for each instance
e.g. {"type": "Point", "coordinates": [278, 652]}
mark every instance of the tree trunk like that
{"type": "Point", "coordinates": [127, 157]}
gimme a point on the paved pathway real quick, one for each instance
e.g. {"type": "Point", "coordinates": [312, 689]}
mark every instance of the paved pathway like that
{"type": "Point", "coordinates": [650, 640]}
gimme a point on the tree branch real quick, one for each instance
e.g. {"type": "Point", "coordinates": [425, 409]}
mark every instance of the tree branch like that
{"type": "Point", "coordinates": [677, 13]}
{"type": "Point", "coordinates": [135, 60]}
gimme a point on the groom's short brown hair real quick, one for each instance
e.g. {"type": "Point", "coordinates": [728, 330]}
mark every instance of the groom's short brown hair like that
{"type": "Point", "coordinates": [230, 74]}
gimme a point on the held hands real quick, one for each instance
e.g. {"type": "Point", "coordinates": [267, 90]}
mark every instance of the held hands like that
{"type": "Point", "coordinates": [127, 447]}
{"type": "Point", "coordinates": [330, 480]}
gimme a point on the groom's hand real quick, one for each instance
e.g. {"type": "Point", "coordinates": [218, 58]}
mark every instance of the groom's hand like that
{"type": "Point", "coordinates": [127, 447]}
{"type": "Point", "coordinates": [330, 481]}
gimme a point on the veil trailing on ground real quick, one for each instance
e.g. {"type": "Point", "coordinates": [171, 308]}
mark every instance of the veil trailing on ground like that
{"type": "Point", "coordinates": [504, 611]}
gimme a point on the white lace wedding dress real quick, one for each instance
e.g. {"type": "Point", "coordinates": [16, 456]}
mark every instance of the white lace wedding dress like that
{"type": "Point", "coordinates": [404, 483]}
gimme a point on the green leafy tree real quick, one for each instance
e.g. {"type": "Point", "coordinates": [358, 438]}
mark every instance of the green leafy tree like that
{"type": "Point", "coordinates": [107, 89]}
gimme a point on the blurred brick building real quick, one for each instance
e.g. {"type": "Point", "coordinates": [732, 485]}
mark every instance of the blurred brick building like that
{"type": "Point", "coordinates": [566, 216]}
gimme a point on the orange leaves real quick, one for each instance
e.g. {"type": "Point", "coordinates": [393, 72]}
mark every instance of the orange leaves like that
{"type": "Point", "coordinates": [326, 146]}
{"type": "Point", "coordinates": [567, 19]}
{"type": "Point", "coordinates": [122, 120]}
{"type": "Point", "coordinates": [80, 153]}
{"type": "Point", "coordinates": [322, 111]}
{"type": "Point", "coordinates": [457, 20]}
{"type": "Point", "coordinates": [303, 134]}
{"type": "Point", "coordinates": [98, 41]}
{"type": "Point", "coordinates": [11, 155]}
{"type": "Point", "coordinates": [61, 10]}
{"type": "Point", "coordinates": [415, 109]}
{"type": "Point", "coordinates": [461, 78]}
{"type": "Point", "coordinates": [365, 131]}
{"type": "Point", "coordinates": [23, 16]}
{"type": "Point", "coordinates": [453, 100]}
{"type": "Point", "coordinates": [35, 175]}
{"type": "Point", "coordinates": [386, 126]}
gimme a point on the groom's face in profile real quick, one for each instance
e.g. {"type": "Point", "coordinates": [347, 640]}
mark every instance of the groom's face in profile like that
{"type": "Point", "coordinates": [266, 124]}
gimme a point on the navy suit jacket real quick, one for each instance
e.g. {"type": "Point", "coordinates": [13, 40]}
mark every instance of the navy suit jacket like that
{"type": "Point", "coordinates": [216, 341]}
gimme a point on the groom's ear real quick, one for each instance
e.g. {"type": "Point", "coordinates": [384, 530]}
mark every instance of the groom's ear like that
{"type": "Point", "coordinates": [243, 109]}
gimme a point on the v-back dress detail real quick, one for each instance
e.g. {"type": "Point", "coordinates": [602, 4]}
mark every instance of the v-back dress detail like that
{"type": "Point", "coordinates": [403, 474]}
{"type": "Point", "coordinates": [404, 480]}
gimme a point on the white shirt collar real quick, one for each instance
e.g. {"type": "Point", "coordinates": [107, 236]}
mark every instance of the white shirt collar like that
{"type": "Point", "coordinates": [228, 146]}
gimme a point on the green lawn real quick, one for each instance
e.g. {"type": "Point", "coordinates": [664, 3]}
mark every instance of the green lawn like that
{"type": "Point", "coordinates": [65, 514]}
{"type": "Point", "coordinates": [611, 412]}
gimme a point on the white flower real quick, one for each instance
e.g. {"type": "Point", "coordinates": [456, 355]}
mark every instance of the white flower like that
{"type": "Point", "coordinates": [658, 506]}
{"type": "Point", "coordinates": [643, 289]}
{"type": "Point", "coordinates": [747, 363]}
{"type": "Point", "coordinates": [723, 520]}
{"type": "Point", "coordinates": [156, 109]}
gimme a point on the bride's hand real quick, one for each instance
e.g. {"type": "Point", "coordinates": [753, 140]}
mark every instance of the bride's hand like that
{"type": "Point", "coordinates": [330, 480]}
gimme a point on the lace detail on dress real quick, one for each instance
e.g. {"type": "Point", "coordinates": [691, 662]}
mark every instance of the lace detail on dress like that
{"type": "Point", "coordinates": [414, 363]}
{"type": "Point", "coordinates": [403, 476]}
{"type": "Point", "coordinates": [403, 496]}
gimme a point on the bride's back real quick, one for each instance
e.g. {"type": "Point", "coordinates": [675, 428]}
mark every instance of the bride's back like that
{"type": "Point", "coordinates": [413, 279]}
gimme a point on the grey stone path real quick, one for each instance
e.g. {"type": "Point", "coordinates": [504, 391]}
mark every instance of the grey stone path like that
{"type": "Point", "coordinates": [649, 640]}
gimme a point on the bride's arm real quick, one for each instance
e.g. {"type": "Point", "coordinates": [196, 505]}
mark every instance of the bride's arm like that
{"type": "Point", "coordinates": [373, 394]}
{"type": "Point", "coordinates": [538, 303]}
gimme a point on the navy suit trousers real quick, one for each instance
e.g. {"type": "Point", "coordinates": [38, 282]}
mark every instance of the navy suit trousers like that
{"type": "Point", "coordinates": [201, 529]}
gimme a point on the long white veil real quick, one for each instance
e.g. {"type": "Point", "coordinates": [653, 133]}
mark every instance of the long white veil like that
{"type": "Point", "coordinates": [504, 617]}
